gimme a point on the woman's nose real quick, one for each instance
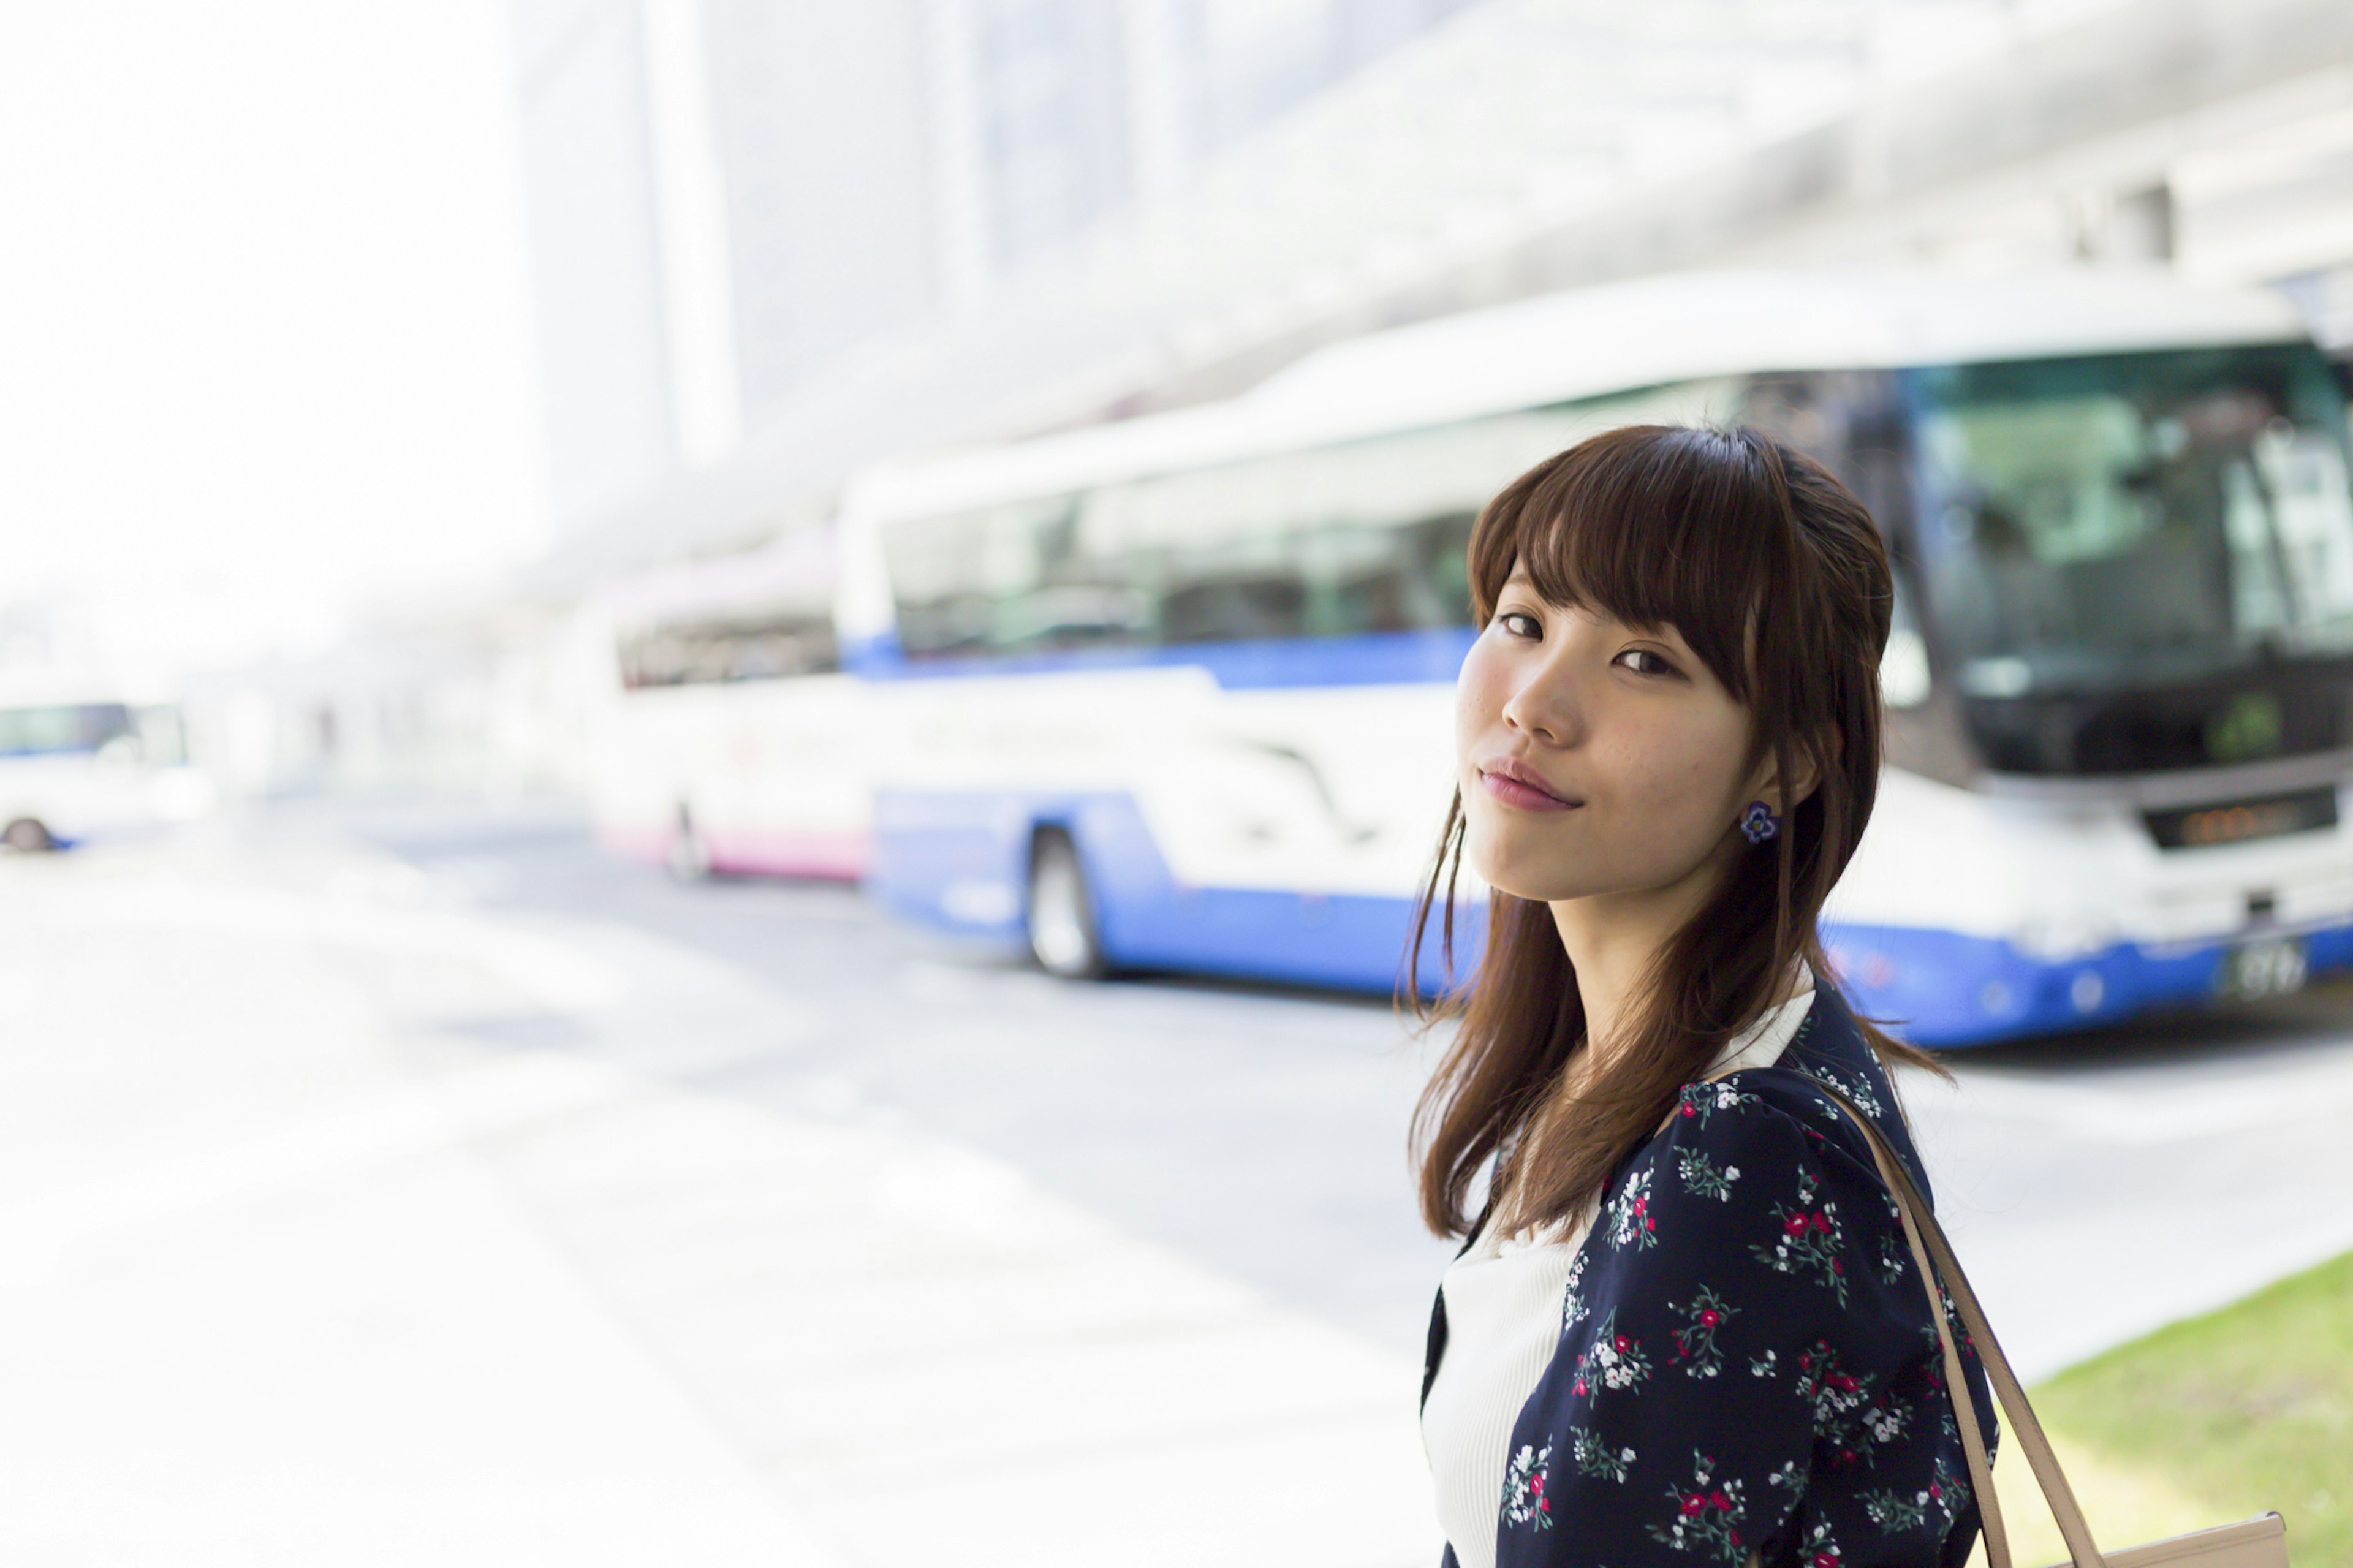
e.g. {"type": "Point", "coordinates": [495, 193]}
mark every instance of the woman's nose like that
{"type": "Point", "coordinates": [1545, 708]}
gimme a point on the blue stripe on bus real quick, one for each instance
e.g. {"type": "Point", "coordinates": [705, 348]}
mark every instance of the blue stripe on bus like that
{"type": "Point", "coordinates": [1369, 659]}
{"type": "Point", "coordinates": [1945, 988]}
{"type": "Point", "coordinates": [960, 862]}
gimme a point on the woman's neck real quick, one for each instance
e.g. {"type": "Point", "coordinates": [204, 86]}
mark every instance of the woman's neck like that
{"type": "Point", "coordinates": [1613, 944]}
{"type": "Point", "coordinates": [1614, 941]}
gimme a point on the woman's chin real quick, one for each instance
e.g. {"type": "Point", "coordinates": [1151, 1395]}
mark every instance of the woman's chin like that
{"type": "Point", "coordinates": [1510, 874]}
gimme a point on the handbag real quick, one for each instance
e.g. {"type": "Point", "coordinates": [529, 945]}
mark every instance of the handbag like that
{"type": "Point", "coordinates": [2258, 1542]}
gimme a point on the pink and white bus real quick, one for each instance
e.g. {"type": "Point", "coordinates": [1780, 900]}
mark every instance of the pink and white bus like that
{"type": "Point", "coordinates": [730, 741]}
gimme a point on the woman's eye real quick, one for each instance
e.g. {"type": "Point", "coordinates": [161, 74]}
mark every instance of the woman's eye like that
{"type": "Point", "coordinates": [1645, 661]}
{"type": "Point", "coordinates": [1519, 624]}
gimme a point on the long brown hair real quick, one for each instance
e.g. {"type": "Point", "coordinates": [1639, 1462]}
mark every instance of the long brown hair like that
{"type": "Point", "coordinates": [1775, 575]}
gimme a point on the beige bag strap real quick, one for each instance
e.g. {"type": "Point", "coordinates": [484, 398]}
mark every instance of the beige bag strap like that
{"type": "Point", "coordinates": [1919, 1218]}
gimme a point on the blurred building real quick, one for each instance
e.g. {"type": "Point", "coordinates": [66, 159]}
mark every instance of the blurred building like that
{"type": "Point", "coordinates": [603, 323]}
{"type": "Point", "coordinates": [779, 239]}
{"type": "Point", "coordinates": [728, 197]}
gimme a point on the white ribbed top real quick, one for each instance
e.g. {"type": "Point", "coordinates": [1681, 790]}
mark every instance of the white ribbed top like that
{"type": "Point", "coordinates": [1504, 1303]}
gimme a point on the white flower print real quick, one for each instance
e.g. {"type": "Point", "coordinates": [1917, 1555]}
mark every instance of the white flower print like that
{"type": "Point", "coordinates": [1629, 1214]}
{"type": "Point", "coordinates": [1523, 1488]}
{"type": "Point", "coordinates": [1595, 1459]}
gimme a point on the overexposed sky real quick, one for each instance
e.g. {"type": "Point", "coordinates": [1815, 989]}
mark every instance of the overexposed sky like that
{"type": "Point", "coordinates": [265, 338]}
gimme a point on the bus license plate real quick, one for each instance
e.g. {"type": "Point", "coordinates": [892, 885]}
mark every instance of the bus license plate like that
{"type": "Point", "coordinates": [2271, 967]}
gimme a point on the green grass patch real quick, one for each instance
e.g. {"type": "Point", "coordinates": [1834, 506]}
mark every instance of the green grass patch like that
{"type": "Point", "coordinates": [2244, 1410]}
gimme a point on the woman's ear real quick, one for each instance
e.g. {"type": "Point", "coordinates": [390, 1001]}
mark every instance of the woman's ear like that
{"type": "Point", "coordinates": [1804, 777]}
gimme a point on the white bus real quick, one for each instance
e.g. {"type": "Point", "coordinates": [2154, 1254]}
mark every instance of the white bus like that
{"type": "Point", "coordinates": [1175, 692]}
{"type": "Point", "coordinates": [729, 740]}
{"type": "Point", "coordinates": [83, 760]}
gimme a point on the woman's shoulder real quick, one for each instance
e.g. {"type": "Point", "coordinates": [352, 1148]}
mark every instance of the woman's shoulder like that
{"type": "Point", "coordinates": [1777, 1107]}
{"type": "Point", "coordinates": [1801, 1101]}
{"type": "Point", "coordinates": [1731, 1146]}
{"type": "Point", "coordinates": [1764, 1139]}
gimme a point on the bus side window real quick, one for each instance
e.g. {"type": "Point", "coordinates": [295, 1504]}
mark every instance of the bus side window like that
{"type": "Point", "coordinates": [745, 647]}
{"type": "Point", "coordinates": [1006, 579]}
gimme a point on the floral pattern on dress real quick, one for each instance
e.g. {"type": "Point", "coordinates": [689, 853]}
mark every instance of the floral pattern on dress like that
{"type": "Point", "coordinates": [1851, 1424]}
{"type": "Point", "coordinates": [1811, 1241]}
{"type": "Point", "coordinates": [1856, 1086]}
{"type": "Point", "coordinates": [1523, 1488]}
{"type": "Point", "coordinates": [1809, 1421]}
{"type": "Point", "coordinates": [1702, 1177]}
{"type": "Point", "coordinates": [1940, 1501]}
{"type": "Point", "coordinates": [1696, 1349]}
{"type": "Point", "coordinates": [1573, 1306]}
{"type": "Point", "coordinates": [1630, 1220]}
{"type": "Point", "coordinates": [1612, 1361]}
{"type": "Point", "coordinates": [1703, 1100]}
{"type": "Point", "coordinates": [1708, 1514]}
{"type": "Point", "coordinates": [1594, 1458]}
{"type": "Point", "coordinates": [1895, 1259]}
{"type": "Point", "coordinates": [1821, 1549]}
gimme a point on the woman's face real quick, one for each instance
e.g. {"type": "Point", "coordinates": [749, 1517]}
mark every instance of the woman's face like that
{"type": "Point", "coordinates": [1594, 758]}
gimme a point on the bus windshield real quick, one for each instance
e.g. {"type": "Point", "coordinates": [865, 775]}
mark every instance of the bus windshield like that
{"type": "Point", "coordinates": [2129, 520]}
{"type": "Point", "coordinates": [61, 728]}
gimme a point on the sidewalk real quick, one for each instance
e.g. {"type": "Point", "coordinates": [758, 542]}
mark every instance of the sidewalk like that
{"type": "Point", "coordinates": [315, 1254]}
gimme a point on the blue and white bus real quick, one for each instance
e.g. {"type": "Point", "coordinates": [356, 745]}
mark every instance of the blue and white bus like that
{"type": "Point", "coordinates": [1175, 692]}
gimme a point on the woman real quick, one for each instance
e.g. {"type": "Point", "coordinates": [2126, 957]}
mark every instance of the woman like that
{"type": "Point", "coordinates": [1685, 1326]}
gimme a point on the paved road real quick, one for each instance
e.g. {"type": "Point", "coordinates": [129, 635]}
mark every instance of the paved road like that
{"type": "Point", "coordinates": [1258, 1130]}
{"type": "Point", "coordinates": [2103, 1184]}
{"type": "Point", "coordinates": [405, 1183]}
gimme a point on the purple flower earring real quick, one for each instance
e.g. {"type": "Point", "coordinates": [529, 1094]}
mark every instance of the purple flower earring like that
{"type": "Point", "coordinates": [1758, 823]}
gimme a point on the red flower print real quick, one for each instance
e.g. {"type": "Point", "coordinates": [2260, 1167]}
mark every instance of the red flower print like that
{"type": "Point", "coordinates": [1796, 1226]}
{"type": "Point", "coordinates": [1707, 1320]}
{"type": "Point", "coordinates": [1621, 1344]}
{"type": "Point", "coordinates": [1822, 1222]}
{"type": "Point", "coordinates": [1694, 1504]}
{"type": "Point", "coordinates": [1717, 1500]}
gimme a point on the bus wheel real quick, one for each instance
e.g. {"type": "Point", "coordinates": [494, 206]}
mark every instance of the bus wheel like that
{"type": "Point", "coordinates": [26, 836]}
{"type": "Point", "coordinates": [1062, 933]}
{"type": "Point", "coordinates": [689, 857]}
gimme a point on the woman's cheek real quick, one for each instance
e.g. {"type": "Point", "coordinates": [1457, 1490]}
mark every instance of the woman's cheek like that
{"type": "Point", "coordinates": [1478, 700]}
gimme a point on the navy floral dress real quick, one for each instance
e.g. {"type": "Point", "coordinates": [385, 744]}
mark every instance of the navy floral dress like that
{"type": "Point", "coordinates": [1747, 1361]}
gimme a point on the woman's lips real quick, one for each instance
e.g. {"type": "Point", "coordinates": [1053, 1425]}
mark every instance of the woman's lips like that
{"type": "Point", "coordinates": [1516, 783]}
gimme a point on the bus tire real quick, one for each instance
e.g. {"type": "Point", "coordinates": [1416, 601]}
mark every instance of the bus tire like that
{"type": "Point", "coordinates": [28, 836]}
{"type": "Point", "coordinates": [1064, 937]}
{"type": "Point", "coordinates": [688, 859]}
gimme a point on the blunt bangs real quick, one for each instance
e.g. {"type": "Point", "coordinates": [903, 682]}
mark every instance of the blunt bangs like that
{"type": "Point", "coordinates": [1654, 525]}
